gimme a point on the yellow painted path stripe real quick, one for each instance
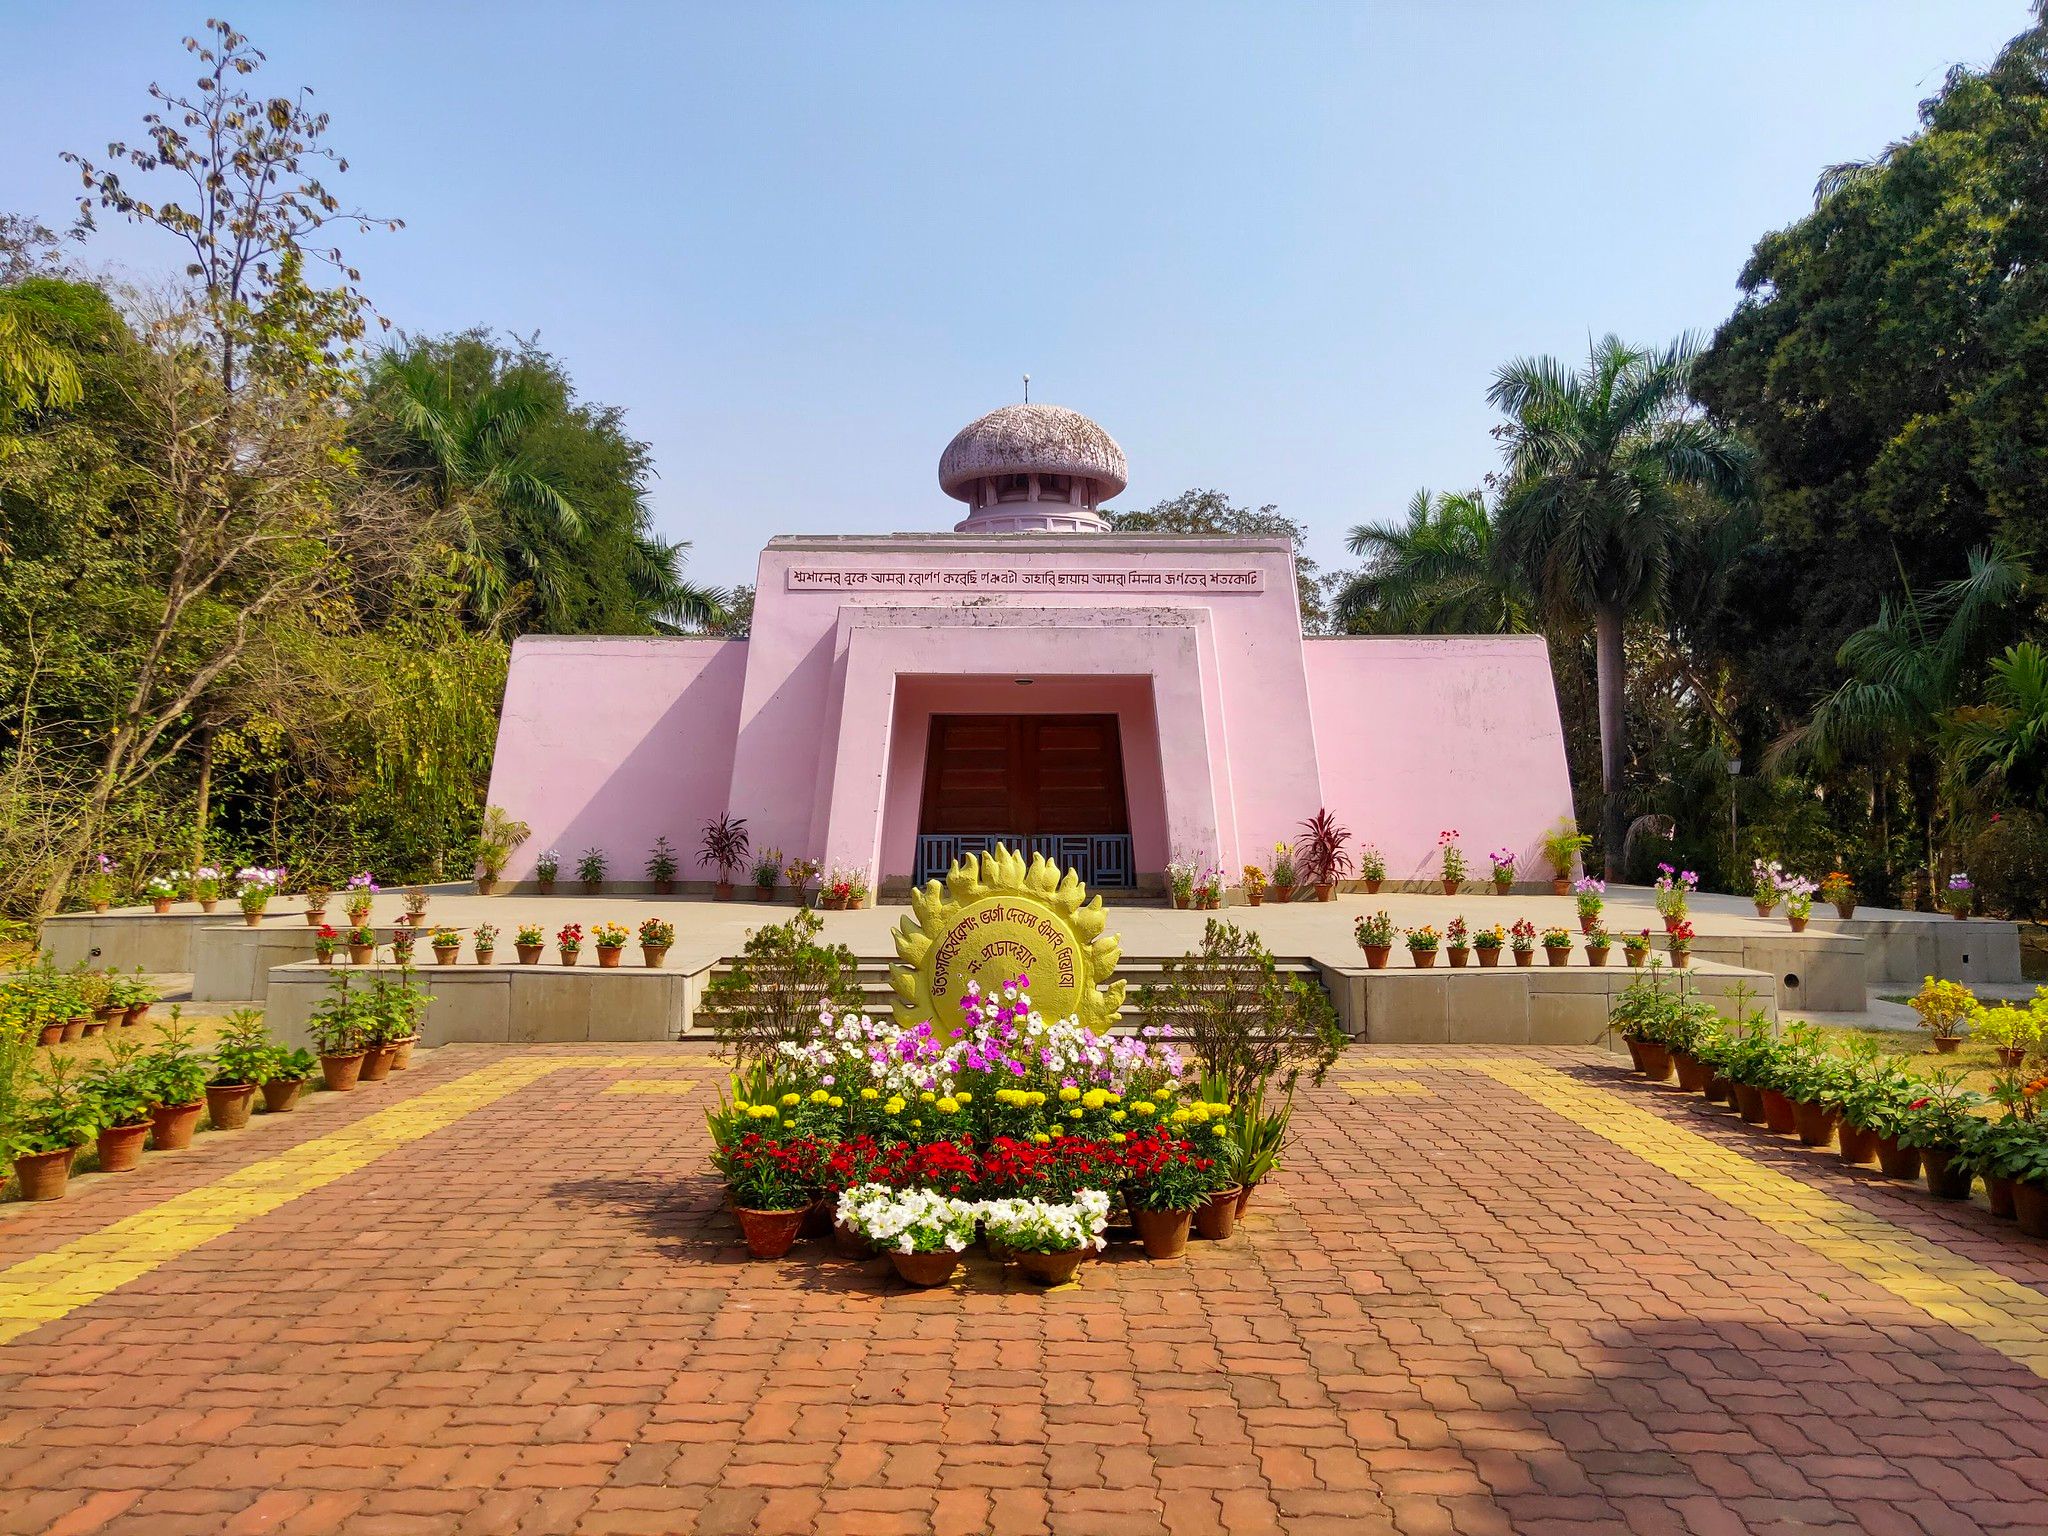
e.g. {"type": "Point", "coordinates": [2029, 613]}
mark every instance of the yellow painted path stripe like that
{"type": "Point", "coordinates": [652, 1085]}
{"type": "Point", "coordinates": [48, 1285]}
{"type": "Point", "coordinates": [2010, 1317]}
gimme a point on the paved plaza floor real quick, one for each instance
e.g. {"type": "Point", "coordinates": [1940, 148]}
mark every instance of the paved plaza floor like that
{"type": "Point", "coordinates": [1492, 1292]}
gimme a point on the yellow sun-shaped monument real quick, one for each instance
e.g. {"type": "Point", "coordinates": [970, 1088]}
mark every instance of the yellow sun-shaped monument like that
{"type": "Point", "coordinates": [995, 918]}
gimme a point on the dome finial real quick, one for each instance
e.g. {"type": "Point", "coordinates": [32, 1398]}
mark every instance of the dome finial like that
{"type": "Point", "coordinates": [1027, 389]}
{"type": "Point", "coordinates": [1033, 468]}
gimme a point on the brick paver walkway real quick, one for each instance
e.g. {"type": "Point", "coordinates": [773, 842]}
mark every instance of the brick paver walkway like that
{"type": "Point", "coordinates": [1494, 1292]}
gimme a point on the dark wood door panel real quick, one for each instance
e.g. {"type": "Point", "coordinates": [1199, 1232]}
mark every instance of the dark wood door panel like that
{"type": "Point", "coordinates": [1024, 774]}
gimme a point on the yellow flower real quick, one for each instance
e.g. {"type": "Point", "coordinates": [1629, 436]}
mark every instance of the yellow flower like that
{"type": "Point", "coordinates": [791, 1098]}
{"type": "Point", "coordinates": [836, 1102]}
{"type": "Point", "coordinates": [949, 1106]}
{"type": "Point", "coordinates": [870, 1094]}
{"type": "Point", "coordinates": [894, 1106]}
{"type": "Point", "coordinates": [1095, 1098]}
{"type": "Point", "coordinates": [917, 1125]}
{"type": "Point", "coordinates": [820, 1096]}
{"type": "Point", "coordinates": [927, 1097]}
{"type": "Point", "coordinates": [1041, 1138]}
{"type": "Point", "coordinates": [1220, 1128]}
{"type": "Point", "coordinates": [1218, 1109]}
{"type": "Point", "coordinates": [1114, 1098]}
{"type": "Point", "coordinates": [1035, 1098]}
{"type": "Point", "coordinates": [1118, 1137]}
{"type": "Point", "coordinates": [1076, 1113]}
{"type": "Point", "coordinates": [1144, 1107]}
{"type": "Point", "coordinates": [1117, 1116]}
{"type": "Point", "coordinates": [1055, 1131]}
{"type": "Point", "coordinates": [1069, 1093]}
{"type": "Point", "coordinates": [964, 1098]}
{"type": "Point", "coordinates": [1166, 1091]}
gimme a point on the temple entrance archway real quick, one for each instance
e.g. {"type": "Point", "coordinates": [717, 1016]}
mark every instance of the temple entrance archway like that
{"type": "Point", "coordinates": [1043, 783]}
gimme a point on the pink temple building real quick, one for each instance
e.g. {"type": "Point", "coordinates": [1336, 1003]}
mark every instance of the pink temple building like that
{"type": "Point", "coordinates": [1115, 700]}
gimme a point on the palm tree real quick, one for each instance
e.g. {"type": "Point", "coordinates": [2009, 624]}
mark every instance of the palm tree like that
{"type": "Point", "coordinates": [2006, 737]}
{"type": "Point", "coordinates": [1438, 573]}
{"type": "Point", "coordinates": [1612, 470]}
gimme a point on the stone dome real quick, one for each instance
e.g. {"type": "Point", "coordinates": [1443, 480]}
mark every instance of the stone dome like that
{"type": "Point", "coordinates": [1032, 440]}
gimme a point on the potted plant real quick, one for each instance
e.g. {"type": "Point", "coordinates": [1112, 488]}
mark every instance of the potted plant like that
{"type": "Point", "coordinates": [1165, 1182]}
{"type": "Point", "coordinates": [175, 1076]}
{"type": "Point", "coordinates": [1941, 1126]}
{"type": "Point", "coordinates": [723, 848]}
{"type": "Point", "coordinates": [655, 938]}
{"type": "Point", "coordinates": [1590, 897]}
{"type": "Point", "coordinates": [1284, 876]}
{"type": "Point", "coordinates": [528, 941]}
{"type": "Point", "coordinates": [1766, 884]}
{"type": "Point", "coordinates": [1254, 883]}
{"type": "Point", "coordinates": [767, 874]}
{"type": "Point", "coordinates": [241, 1056]}
{"type": "Point", "coordinates": [43, 1138]}
{"type": "Point", "coordinates": [1943, 1006]}
{"type": "Point", "coordinates": [2010, 1032]}
{"type": "Point", "coordinates": [362, 945]}
{"type": "Point", "coordinates": [924, 1231]}
{"type": "Point", "coordinates": [569, 941]}
{"type": "Point", "coordinates": [1799, 893]}
{"type": "Point", "coordinates": [1868, 1104]}
{"type": "Point", "coordinates": [800, 873]}
{"type": "Point", "coordinates": [253, 889]}
{"type": "Point", "coordinates": [768, 1183]}
{"type": "Point", "coordinates": [120, 1096]}
{"type": "Point", "coordinates": [1839, 890]}
{"type": "Point", "coordinates": [161, 890]}
{"type": "Point", "coordinates": [2022, 1158]}
{"type": "Point", "coordinates": [1958, 896]}
{"type": "Point", "coordinates": [1635, 947]}
{"type": "Point", "coordinates": [1209, 893]}
{"type": "Point", "coordinates": [1375, 935]}
{"type": "Point", "coordinates": [337, 1026]}
{"type": "Point", "coordinates": [205, 883]}
{"type": "Point", "coordinates": [1049, 1238]}
{"type": "Point", "coordinates": [1671, 891]}
{"type": "Point", "coordinates": [1372, 869]}
{"type": "Point", "coordinates": [402, 1009]}
{"type": "Point", "coordinates": [858, 892]}
{"type": "Point", "coordinates": [662, 865]}
{"type": "Point", "coordinates": [545, 870]}
{"type": "Point", "coordinates": [1180, 882]}
{"type": "Point", "coordinates": [317, 897]}
{"type": "Point", "coordinates": [1321, 854]}
{"type": "Point", "coordinates": [1557, 946]}
{"type": "Point", "coordinates": [446, 944]}
{"type": "Point", "coordinates": [1680, 939]}
{"type": "Point", "coordinates": [609, 939]}
{"type": "Point", "coordinates": [1522, 940]}
{"type": "Point", "coordinates": [590, 869]}
{"type": "Point", "coordinates": [1453, 860]}
{"type": "Point", "coordinates": [401, 945]}
{"type": "Point", "coordinates": [497, 839]}
{"type": "Point", "coordinates": [1487, 944]}
{"type": "Point", "coordinates": [1216, 1217]}
{"type": "Point", "coordinates": [484, 940]}
{"type": "Point", "coordinates": [1503, 862]}
{"type": "Point", "coordinates": [1562, 846]}
{"type": "Point", "coordinates": [415, 907]}
{"type": "Point", "coordinates": [98, 885]}
{"type": "Point", "coordinates": [136, 994]}
{"type": "Point", "coordinates": [1457, 941]}
{"type": "Point", "coordinates": [1422, 945]}
{"type": "Point", "coordinates": [285, 1075]}
{"type": "Point", "coordinates": [356, 898]}
{"type": "Point", "coordinates": [1598, 944]}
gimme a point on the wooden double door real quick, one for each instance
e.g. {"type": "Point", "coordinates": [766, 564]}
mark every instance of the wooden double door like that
{"type": "Point", "coordinates": [1025, 776]}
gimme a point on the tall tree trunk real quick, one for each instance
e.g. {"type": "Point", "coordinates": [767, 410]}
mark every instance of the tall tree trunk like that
{"type": "Point", "coordinates": [205, 800]}
{"type": "Point", "coordinates": [1608, 660]}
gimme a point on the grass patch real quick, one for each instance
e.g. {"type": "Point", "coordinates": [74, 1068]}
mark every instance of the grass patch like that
{"type": "Point", "coordinates": [1918, 1052]}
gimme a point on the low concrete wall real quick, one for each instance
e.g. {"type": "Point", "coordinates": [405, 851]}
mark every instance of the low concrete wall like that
{"type": "Point", "coordinates": [160, 945]}
{"type": "Point", "coordinates": [510, 1004]}
{"type": "Point", "coordinates": [1908, 949]}
{"type": "Point", "coordinates": [233, 964]}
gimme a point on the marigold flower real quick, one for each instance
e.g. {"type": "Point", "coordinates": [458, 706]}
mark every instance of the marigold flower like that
{"type": "Point", "coordinates": [791, 1098]}
{"type": "Point", "coordinates": [1069, 1093]}
{"type": "Point", "coordinates": [870, 1094]}
{"type": "Point", "coordinates": [820, 1096]}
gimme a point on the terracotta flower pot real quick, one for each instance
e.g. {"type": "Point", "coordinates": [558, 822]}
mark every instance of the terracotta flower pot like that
{"type": "Point", "coordinates": [1718, 1090]}
{"type": "Point", "coordinates": [1896, 1161]}
{"type": "Point", "coordinates": [1557, 955]}
{"type": "Point", "coordinates": [764, 893]}
{"type": "Point", "coordinates": [1855, 1144]}
{"type": "Point", "coordinates": [377, 1063]}
{"type": "Point", "coordinates": [1052, 1268]}
{"type": "Point", "coordinates": [485, 884]}
{"type": "Point", "coordinates": [1781, 1117]}
{"type": "Point", "coordinates": [665, 887]}
{"type": "Point", "coordinates": [1451, 887]}
{"type": "Point", "coordinates": [484, 955]}
{"type": "Point", "coordinates": [1946, 1180]}
{"type": "Point", "coordinates": [1947, 1045]}
{"type": "Point", "coordinates": [568, 955]}
{"type": "Point", "coordinates": [96, 1025]}
{"type": "Point", "coordinates": [1798, 924]}
{"type": "Point", "coordinates": [1693, 1074]}
{"type": "Point", "coordinates": [925, 1270]}
{"type": "Point", "coordinates": [1561, 885]}
{"type": "Point", "coordinates": [228, 1105]}
{"type": "Point", "coordinates": [2010, 1056]}
{"type": "Point", "coordinates": [447, 954]}
{"type": "Point", "coordinates": [1244, 1198]}
{"type": "Point", "coordinates": [1525, 956]}
{"type": "Point", "coordinates": [44, 1175]}
{"type": "Point", "coordinates": [1372, 887]}
{"type": "Point", "coordinates": [401, 1053]}
{"type": "Point", "coordinates": [171, 1125]}
{"type": "Point", "coordinates": [1749, 1103]}
{"type": "Point", "coordinates": [1217, 1218]}
{"type": "Point", "coordinates": [1635, 1052]}
{"type": "Point", "coordinates": [136, 1014]}
{"type": "Point", "coordinates": [342, 1071]}
{"type": "Point", "coordinates": [849, 1243]}
{"type": "Point", "coordinates": [50, 1034]}
{"type": "Point", "coordinates": [545, 885]}
{"type": "Point", "coordinates": [1285, 893]}
{"type": "Point", "coordinates": [1998, 1193]}
{"type": "Point", "coordinates": [592, 887]}
{"type": "Point", "coordinates": [1164, 1233]}
{"type": "Point", "coordinates": [253, 919]}
{"type": "Point", "coordinates": [529, 954]}
{"type": "Point", "coordinates": [1656, 1061]}
{"type": "Point", "coordinates": [1671, 924]}
{"type": "Point", "coordinates": [769, 1234]}
{"type": "Point", "coordinates": [1254, 898]}
{"type": "Point", "coordinates": [1681, 958]}
{"type": "Point", "coordinates": [1845, 910]}
{"type": "Point", "coordinates": [1457, 957]}
{"type": "Point", "coordinates": [1180, 904]}
{"type": "Point", "coordinates": [1766, 908]}
{"type": "Point", "coordinates": [101, 906]}
{"type": "Point", "coordinates": [162, 904]}
{"type": "Point", "coordinates": [315, 916]}
{"type": "Point", "coordinates": [120, 1146]}
{"type": "Point", "coordinates": [1488, 956]}
{"type": "Point", "coordinates": [607, 958]}
{"type": "Point", "coordinates": [653, 955]}
{"type": "Point", "coordinates": [1815, 1124]}
{"type": "Point", "coordinates": [281, 1097]}
{"type": "Point", "coordinates": [2030, 1207]}
{"type": "Point", "coordinates": [1326, 892]}
{"type": "Point", "coordinates": [722, 891]}
{"type": "Point", "coordinates": [361, 954]}
{"type": "Point", "coordinates": [1376, 955]}
{"type": "Point", "coordinates": [1596, 954]}
{"type": "Point", "coordinates": [74, 1028]}
{"type": "Point", "coordinates": [1423, 958]}
{"type": "Point", "coordinates": [1503, 887]}
{"type": "Point", "coordinates": [1635, 954]}
{"type": "Point", "coordinates": [208, 903]}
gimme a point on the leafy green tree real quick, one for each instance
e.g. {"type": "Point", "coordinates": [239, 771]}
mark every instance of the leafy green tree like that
{"type": "Point", "coordinates": [1439, 572]}
{"type": "Point", "coordinates": [1211, 514]}
{"type": "Point", "coordinates": [1614, 480]}
{"type": "Point", "coordinates": [2005, 738]}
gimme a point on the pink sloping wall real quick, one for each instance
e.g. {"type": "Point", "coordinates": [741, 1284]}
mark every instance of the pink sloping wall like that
{"type": "Point", "coordinates": [611, 743]}
{"type": "Point", "coordinates": [1416, 734]}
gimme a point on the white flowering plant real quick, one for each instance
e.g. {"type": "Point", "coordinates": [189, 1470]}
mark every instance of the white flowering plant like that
{"type": "Point", "coordinates": [1049, 1226]}
{"type": "Point", "coordinates": [909, 1220]}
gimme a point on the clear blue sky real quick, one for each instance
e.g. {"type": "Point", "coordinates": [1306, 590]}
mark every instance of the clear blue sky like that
{"type": "Point", "coordinates": [1275, 249]}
